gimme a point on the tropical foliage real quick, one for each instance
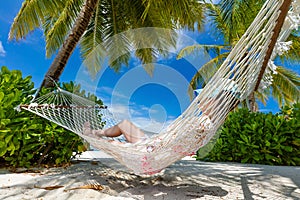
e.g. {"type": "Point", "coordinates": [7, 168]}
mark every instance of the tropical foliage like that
{"type": "Point", "coordinates": [261, 138]}
{"type": "Point", "coordinates": [231, 19]}
{"type": "Point", "coordinates": [95, 23]}
{"type": "Point", "coordinates": [26, 139]}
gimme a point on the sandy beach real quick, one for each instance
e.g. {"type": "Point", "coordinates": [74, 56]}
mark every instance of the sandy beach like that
{"type": "Point", "coordinates": [97, 176]}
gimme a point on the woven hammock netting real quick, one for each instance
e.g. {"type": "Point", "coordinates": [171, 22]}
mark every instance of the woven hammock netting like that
{"type": "Point", "coordinates": [235, 80]}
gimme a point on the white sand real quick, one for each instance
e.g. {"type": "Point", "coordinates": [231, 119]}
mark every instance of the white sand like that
{"type": "Point", "coordinates": [186, 179]}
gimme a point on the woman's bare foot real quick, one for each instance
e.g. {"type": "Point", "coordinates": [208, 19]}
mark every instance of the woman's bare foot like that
{"type": "Point", "coordinates": [89, 132]}
{"type": "Point", "coordinates": [98, 133]}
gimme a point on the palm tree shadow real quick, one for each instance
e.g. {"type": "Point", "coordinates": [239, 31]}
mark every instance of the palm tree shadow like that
{"type": "Point", "coordinates": [163, 186]}
{"type": "Point", "coordinates": [180, 192]}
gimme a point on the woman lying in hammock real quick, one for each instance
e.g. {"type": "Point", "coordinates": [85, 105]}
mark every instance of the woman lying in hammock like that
{"type": "Point", "coordinates": [133, 134]}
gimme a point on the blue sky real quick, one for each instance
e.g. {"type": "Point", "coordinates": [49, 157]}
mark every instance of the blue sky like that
{"type": "Point", "coordinates": [151, 102]}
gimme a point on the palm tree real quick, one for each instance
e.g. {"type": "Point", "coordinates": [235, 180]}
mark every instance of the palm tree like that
{"type": "Point", "coordinates": [93, 22]}
{"type": "Point", "coordinates": [231, 19]}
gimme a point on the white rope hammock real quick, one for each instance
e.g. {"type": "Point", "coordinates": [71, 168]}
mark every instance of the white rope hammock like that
{"type": "Point", "coordinates": [232, 83]}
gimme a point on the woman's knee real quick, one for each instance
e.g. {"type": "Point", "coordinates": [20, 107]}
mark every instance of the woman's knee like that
{"type": "Point", "coordinates": [125, 122]}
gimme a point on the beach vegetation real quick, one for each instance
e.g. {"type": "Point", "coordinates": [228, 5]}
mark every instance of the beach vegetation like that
{"type": "Point", "coordinates": [259, 138]}
{"type": "Point", "coordinates": [26, 139]}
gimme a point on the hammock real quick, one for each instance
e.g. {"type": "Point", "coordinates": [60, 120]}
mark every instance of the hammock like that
{"type": "Point", "coordinates": [252, 56]}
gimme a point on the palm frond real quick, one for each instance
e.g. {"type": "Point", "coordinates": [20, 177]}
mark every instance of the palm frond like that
{"type": "Point", "coordinates": [116, 42]}
{"type": "Point", "coordinates": [147, 56]}
{"type": "Point", "coordinates": [181, 13]}
{"type": "Point", "coordinates": [216, 49]}
{"type": "Point", "coordinates": [205, 73]}
{"type": "Point", "coordinates": [218, 27]}
{"type": "Point", "coordinates": [31, 16]}
{"type": "Point", "coordinates": [118, 49]}
{"type": "Point", "coordinates": [92, 38]}
{"type": "Point", "coordinates": [262, 96]}
{"type": "Point", "coordinates": [285, 86]}
{"type": "Point", "coordinates": [118, 33]}
{"type": "Point", "coordinates": [237, 16]}
{"type": "Point", "coordinates": [118, 62]}
{"type": "Point", "coordinates": [62, 26]}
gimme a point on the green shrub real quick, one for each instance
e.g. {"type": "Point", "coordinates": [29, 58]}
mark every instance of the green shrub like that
{"type": "Point", "coordinates": [259, 138]}
{"type": "Point", "coordinates": [26, 139]}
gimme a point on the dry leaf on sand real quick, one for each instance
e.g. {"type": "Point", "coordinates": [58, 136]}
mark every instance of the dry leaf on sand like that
{"type": "Point", "coordinates": [49, 187]}
{"type": "Point", "coordinates": [90, 186]}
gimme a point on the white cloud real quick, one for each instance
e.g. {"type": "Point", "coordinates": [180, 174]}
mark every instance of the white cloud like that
{"type": "Point", "coordinates": [2, 51]}
{"type": "Point", "coordinates": [120, 112]}
{"type": "Point", "coordinates": [104, 90]}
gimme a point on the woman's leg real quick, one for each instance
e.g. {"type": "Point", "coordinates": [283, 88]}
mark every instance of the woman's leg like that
{"type": "Point", "coordinates": [129, 130]}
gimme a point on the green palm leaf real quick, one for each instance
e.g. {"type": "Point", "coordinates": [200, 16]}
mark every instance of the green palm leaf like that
{"type": "Point", "coordinates": [32, 16]}
{"type": "Point", "coordinates": [177, 13]}
{"type": "Point", "coordinates": [216, 49]}
{"type": "Point", "coordinates": [205, 73]}
{"type": "Point", "coordinates": [238, 15]}
{"type": "Point", "coordinates": [91, 43]}
{"type": "Point", "coordinates": [262, 96]}
{"type": "Point", "coordinates": [58, 30]}
{"type": "Point", "coordinates": [285, 86]}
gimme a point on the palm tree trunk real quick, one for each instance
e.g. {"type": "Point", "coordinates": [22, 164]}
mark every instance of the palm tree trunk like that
{"type": "Point", "coordinates": [252, 103]}
{"type": "Point", "coordinates": [62, 57]}
{"type": "Point", "coordinates": [284, 10]}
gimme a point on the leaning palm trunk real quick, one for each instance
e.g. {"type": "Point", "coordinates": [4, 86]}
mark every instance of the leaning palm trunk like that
{"type": "Point", "coordinates": [284, 9]}
{"type": "Point", "coordinates": [252, 103]}
{"type": "Point", "coordinates": [60, 61]}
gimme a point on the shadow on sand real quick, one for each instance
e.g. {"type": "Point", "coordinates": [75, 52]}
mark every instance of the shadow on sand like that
{"type": "Point", "coordinates": [182, 180]}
